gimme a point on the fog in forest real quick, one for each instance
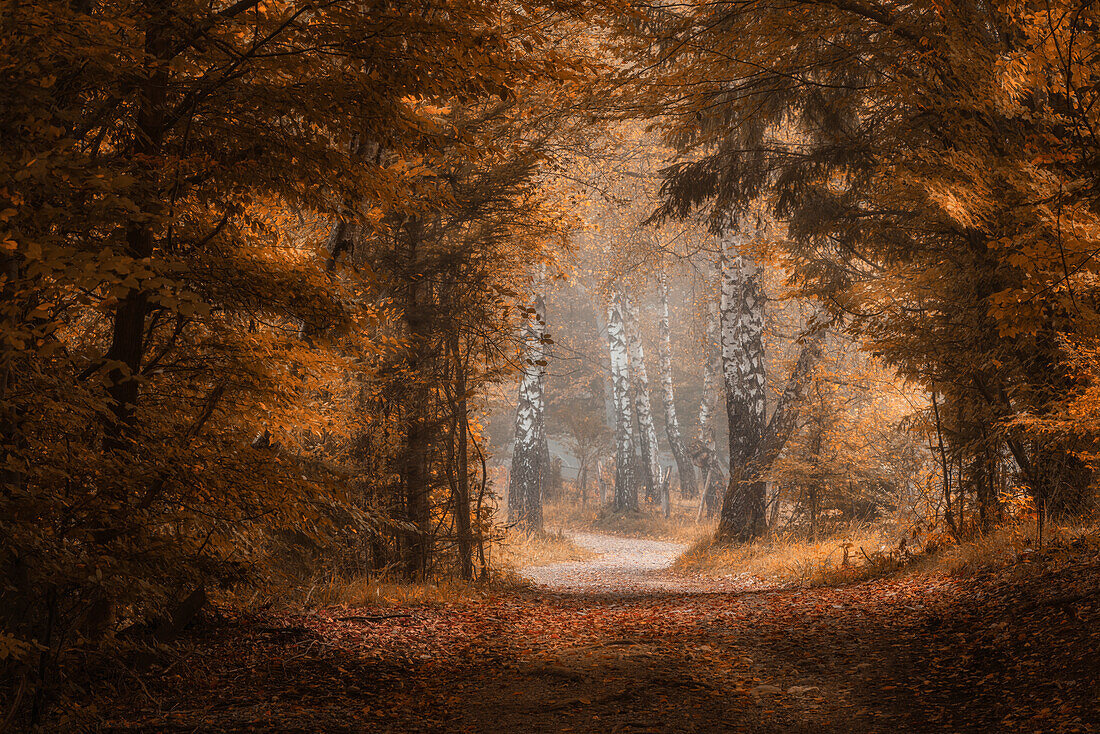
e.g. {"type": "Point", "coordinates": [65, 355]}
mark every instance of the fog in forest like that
{"type": "Point", "coordinates": [549, 366]}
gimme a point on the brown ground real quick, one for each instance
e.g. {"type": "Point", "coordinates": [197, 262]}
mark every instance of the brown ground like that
{"type": "Point", "coordinates": [621, 644]}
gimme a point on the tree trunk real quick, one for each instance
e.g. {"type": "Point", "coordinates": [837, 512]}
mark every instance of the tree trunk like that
{"type": "Point", "coordinates": [666, 492]}
{"type": "Point", "coordinates": [626, 481]}
{"type": "Point", "coordinates": [988, 509]}
{"type": "Point", "coordinates": [702, 449]}
{"type": "Point", "coordinates": [128, 332]}
{"type": "Point", "coordinates": [736, 521]}
{"type": "Point", "coordinates": [609, 385]}
{"type": "Point", "coordinates": [651, 464]}
{"type": "Point", "coordinates": [705, 432]}
{"type": "Point", "coordinates": [773, 515]}
{"type": "Point", "coordinates": [668, 395]}
{"type": "Point", "coordinates": [415, 474]}
{"type": "Point", "coordinates": [462, 468]}
{"type": "Point", "coordinates": [601, 485]}
{"type": "Point", "coordinates": [529, 450]}
{"type": "Point", "coordinates": [742, 338]}
{"type": "Point", "coordinates": [582, 483]}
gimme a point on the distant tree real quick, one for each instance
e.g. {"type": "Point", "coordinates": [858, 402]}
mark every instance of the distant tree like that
{"type": "Point", "coordinates": [626, 479]}
{"type": "Point", "coordinates": [588, 440]}
{"type": "Point", "coordinates": [647, 430]}
{"type": "Point", "coordinates": [530, 468]}
{"type": "Point", "coordinates": [668, 394]}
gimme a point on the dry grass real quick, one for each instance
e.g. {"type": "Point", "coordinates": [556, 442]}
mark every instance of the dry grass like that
{"type": "Point", "coordinates": [290, 587]}
{"type": "Point", "coordinates": [1004, 546]}
{"type": "Point", "coordinates": [518, 550]}
{"type": "Point", "coordinates": [374, 592]}
{"type": "Point", "coordinates": [791, 560]}
{"type": "Point", "coordinates": [876, 550]}
{"type": "Point", "coordinates": [367, 591]}
{"type": "Point", "coordinates": [647, 522]}
{"type": "Point", "coordinates": [515, 551]}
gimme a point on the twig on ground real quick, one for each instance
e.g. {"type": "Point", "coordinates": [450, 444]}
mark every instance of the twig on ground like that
{"type": "Point", "coordinates": [371, 617]}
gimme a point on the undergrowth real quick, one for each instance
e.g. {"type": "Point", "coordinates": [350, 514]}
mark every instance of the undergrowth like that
{"type": "Point", "coordinates": [1008, 545]}
{"type": "Point", "coordinates": [860, 551]}
{"type": "Point", "coordinates": [518, 550]}
{"type": "Point", "coordinates": [645, 522]}
{"type": "Point", "coordinates": [289, 586]}
{"type": "Point", "coordinates": [787, 558]}
{"type": "Point", "coordinates": [381, 592]}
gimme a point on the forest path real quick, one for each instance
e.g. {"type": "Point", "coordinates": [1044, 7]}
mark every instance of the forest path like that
{"type": "Point", "coordinates": [622, 566]}
{"type": "Point", "coordinates": [621, 643]}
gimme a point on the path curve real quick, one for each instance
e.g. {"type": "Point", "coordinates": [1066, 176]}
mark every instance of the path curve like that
{"type": "Point", "coordinates": [623, 566]}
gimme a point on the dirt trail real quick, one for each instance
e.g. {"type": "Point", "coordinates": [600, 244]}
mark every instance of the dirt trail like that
{"type": "Point", "coordinates": [622, 643]}
{"type": "Point", "coordinates": [626, 566]}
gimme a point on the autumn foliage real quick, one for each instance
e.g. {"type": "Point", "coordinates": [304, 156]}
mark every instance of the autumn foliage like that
{"type": "Point", "coordinates": [935, 168]}
{"type": "Point", "coordinates": [257, 260]}
{"type": "Point", "coordinates": [265, 266]}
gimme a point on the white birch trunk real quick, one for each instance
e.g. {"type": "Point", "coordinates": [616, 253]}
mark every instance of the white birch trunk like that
{"type": "Point", "coordinates": [626, 482]}
{"type": "Point", "coordinates": [651, 464]}
{"type": "Point", "coordinates": [608, 392]}
{"type": "Point", "coordinates": [755, 441]}
{"type": "Point", "coordinates": [742, 339]}
{"type": "Point", "coordinates": [668, 395]}
{"type": "Point", "coordinates": [711, 368]}
{"type": "Point", "coordinates": [530, 448]}
{"type": "Point", "coordinates": [732, 524]}
{"type": "Point", "coordinates": [703, 450]}
{"type": "Point", "coordinates": [742, 312]}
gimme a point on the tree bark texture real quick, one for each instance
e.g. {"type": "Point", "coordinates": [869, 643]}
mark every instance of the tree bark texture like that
{"type": "Point", "coordinates": [651, 464]}
{"type": "Point", "coordinates": [711, 364]}
{"type": "Point", "coordinates": [742, 343]}
{"type": "Point", "coordinates": [626, 480]}
{"type": "Point", "coordinates": [128, 332]}
{"type": "Point", "coordinates": [739, 519]}
{"type": "Point", "coordinates": [462, 466]}
{"type": "Point", "coordinates": [415, 474]}
{"type": "Point", "coordinates": [530, 450]}
{"type": "Point", "coordinates": [668, 395]}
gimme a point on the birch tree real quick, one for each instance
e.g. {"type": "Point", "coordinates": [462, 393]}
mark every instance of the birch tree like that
{"type": "Point", "coordinates": [743, 375]}
{"type": "Point", "coordinates": [651, 464]}
{"type": "Point", "coordinates": [668, 395]}
{"type": "Point", "coordinates": [708, 403]}
{"type": "Point", "coordinates": [626, 479]}
{"type": "Point", "coordinates": [755, 441]}
{"type": "Point", "coordinates": [608, 389]}
{"type": "Point", "coordinates": [530, 449]}
{"type": "Point", "coordinates": [703, 449]}
{"type": "Point", "coordinates": [742, 516]}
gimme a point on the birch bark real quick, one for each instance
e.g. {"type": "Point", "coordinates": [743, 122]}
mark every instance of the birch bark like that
{"type": "Point", "coordinates": [736, 521]}
{"type": "Point", "coordinates": [742, 340]}
{"type": "Point", "coordinates": [609, 390]}
{"type": "Point", "coordinates": [626, 480]}
{"type": "Point", "coordinates": [705, 434]}
{"type": "Point", "coordinates": [755, 441]}
{"type": "Point", "coordinates": [651, 464]}
{"type": "Point", "coordinates": [703, 451]}
{"type": "Point", "coordinates": [668, 395]}
{"type": "Point", "coordinates": [530, 449]}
